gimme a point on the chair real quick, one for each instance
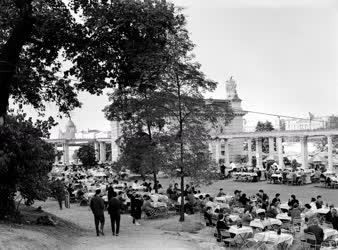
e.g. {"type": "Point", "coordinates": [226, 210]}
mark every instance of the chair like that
{"type": "Point", "coordinates": [222, 235]}
{"type": "Point", "coordinates": [239, 240]}
{"type": "Point", "coordinates": [296, 225]}
{"type": "Point", "coordinates": [311, 240]}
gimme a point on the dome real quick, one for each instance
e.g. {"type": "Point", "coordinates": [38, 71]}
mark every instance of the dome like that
{"type": "Point", "coordinates": [70, 124]}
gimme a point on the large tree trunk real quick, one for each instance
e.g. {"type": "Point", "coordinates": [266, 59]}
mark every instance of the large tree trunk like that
{"type": "Point", "coordinates": [10, 53]}
{"type": "Point", "coordinates": [7, 205]}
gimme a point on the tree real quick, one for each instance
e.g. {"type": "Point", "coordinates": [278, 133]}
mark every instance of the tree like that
{"type": "Point", "coordinates": [109, 44]}
{"type": "Point", "coordinates": [86, 155]}
{"type": "Point", "coordinates": [25, 161]}
{"type": "Point", "coordinates": [138, 110]}
{"type": "Point", "coordinates": [264, 126]}
{"type": "Point", "coordinates": [260, 127]}
{"type": "Point", "coordinates": [188, 114]}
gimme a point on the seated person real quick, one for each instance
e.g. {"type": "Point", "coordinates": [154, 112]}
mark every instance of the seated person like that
{"type": "Point", "coordinates": [334, 219]}
{"type": "Point", "coordinates": [328, 216]}
{"type": "Point", "coordinates": [271, 212]}
{"type": "Point", "coordinates": [308, 212]}
{"type": "Point", "coordinates": [295, 212]}
{"type": "Point", "coordinates": [243, 200]}
{"type": "Point", "coordinates": [317, 231]}
{"type": "Point", "coordinates": [208, 216]}
{"type": "Point", "coordinates": [319, 202]}
{"type": "Point", "coordinates": [220, 193]}
{"type": "Point", "coordinates": [247, 217]}
{"type": "Point", "coordinates": [147, 207]}
{"type": "Point", "coordinates": [222, 223]}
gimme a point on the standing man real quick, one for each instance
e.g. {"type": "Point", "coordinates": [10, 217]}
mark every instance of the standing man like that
{"type": "Point", "coordinates": [97, 207]}
{"type": "Point", "coordinates": [114, 209]}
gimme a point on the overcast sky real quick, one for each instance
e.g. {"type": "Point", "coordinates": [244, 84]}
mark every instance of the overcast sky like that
{"type": "Point", "coordinates": [283, 55]}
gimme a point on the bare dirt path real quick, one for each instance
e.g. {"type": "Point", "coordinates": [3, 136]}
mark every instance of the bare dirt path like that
{"type": "Point", "coordinates": [146, 236]}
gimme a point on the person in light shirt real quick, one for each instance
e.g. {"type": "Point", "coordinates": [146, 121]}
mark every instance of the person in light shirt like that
{"type": "Point", "coordinates": [313, 204]}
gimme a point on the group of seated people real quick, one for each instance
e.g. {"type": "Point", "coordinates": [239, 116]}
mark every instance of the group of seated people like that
{"type": "Point", "coordinates": [260, 207]}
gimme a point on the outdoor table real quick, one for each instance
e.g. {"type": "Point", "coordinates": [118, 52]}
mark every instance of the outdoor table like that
{"type": "Point", "coordinates": [272, 236]}
{"type": "Point", "coordinates": [276, 176]}
{"type": "Point", "coordinates": [198, 195]}
{"type": "Point", "coordinates": [329, 232]}
{"type": "Point", "coordinates": [284, 206]}
{"type": "Point", "coordinates": [242, 230]}
{"type": "Point", "coordinates": [283, 216]}
{"type": "Point", "coordinates": [225, 198]}
{"type": "Point", "coordinates": [234, 217]}
{"type": "Point", "coordinates": [257, 223]}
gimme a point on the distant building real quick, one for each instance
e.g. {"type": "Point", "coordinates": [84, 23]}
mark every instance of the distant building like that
{"type": "Point", "coordinates": [306, 124]}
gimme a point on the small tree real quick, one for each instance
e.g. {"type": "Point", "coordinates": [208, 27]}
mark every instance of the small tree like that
{"type": "Point", "coordinates": [86, 155]}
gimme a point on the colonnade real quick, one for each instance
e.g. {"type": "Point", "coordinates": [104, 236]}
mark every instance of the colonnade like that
{"type": "Point", "coordinates": [99, 146]}
{"type": "Point", "coordinates": [219, 143]}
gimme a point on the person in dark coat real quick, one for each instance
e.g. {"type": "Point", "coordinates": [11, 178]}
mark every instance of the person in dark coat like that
{"type": "Point", "coordinates": [114, 210]}
{"type": "Point", "coordinates": [136, 208]}
{"type": "Point", "coordinates": [110, 192]}
{"type": "Point", "coordinates": [97, 207]}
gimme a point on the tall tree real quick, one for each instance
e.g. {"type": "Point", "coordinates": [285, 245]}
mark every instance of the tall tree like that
{"type": "Point", "coordinates": [188, 114]}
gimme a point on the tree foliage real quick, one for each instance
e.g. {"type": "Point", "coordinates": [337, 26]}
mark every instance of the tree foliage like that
{"type": "Point", "coordinates": [25, 161]}
{"type": "Point", "coordinates": [86, 154]}
{"type": "Point", "coordinates": [102, 43]}
{"type": "Point", "coordinates": [176, 110]}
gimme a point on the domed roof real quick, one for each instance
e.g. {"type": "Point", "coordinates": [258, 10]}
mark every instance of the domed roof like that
{"type": "Point", "coordinates": [70, 124]}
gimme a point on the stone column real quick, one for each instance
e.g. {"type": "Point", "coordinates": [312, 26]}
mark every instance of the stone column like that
{"type": "Point", "coordinates": [280, 152]}
{"type": "Point", "coordinates": [329, 153]}
{"type": "Point", "coordinates": [250, 152]}
{"type": "Point", "coordinates": [304, 151]}
{"type": "Point", "coordinates": [65, 153]}
{"type": "Point", "coordinates": [56, 151]}
{"type": "Point", "coordinates": [115, 134]}
{"type": "Point", "coordinates": [102, 152]}
{"type": "Point", "coordinates": [217, 151]}
{"type": "Point", "coordinates": [227, 152]}
{"type": "Point", "coordinates": [259, 153]}
{"type": "Point", "coordinates": [271, 147]}
{"type": "Point", "coordinates": [97, 153]}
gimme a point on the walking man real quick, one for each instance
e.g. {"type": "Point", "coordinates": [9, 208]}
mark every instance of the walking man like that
{"type": "Point", "coordinates": [114, 209]}
{"type": "Point", "coordinates": [97, 207]}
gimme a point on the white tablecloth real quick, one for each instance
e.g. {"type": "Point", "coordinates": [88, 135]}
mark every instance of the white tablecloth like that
{"type": "Point", "coordinates": [242, 230]}
{"type": "Point", "coordinates": [225, 198]}
{"type": "Point", "coordinates": [272, 236]}
{"type": "Point", "coordinates": [276, 176]}
{"type": "Point", "coordinates": [234, 217]}
{"type": "Point", "coordinates": [328, 232]}
{"type": "Point", "coordinates": [283, 216]}
{"type": "Point", "coordinates": [284, 206]}
{"type": "Point", "coordinates": [267, 222]}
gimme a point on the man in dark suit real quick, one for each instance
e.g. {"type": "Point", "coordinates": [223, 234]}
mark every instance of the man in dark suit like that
{"type": "Point", "coordinates": [97, 207]}
{"type": "Point", "coordinates": [114, 210]}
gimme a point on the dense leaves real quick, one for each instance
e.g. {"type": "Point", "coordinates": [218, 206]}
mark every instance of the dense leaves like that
{"type": "Point", "coordinates": [104, 44]}
{"type": "Point", "coordinates": [86, 154]}
{"type": "Point", "coordinates": [25, 161]}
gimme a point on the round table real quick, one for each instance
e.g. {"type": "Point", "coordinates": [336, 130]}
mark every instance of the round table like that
{"type": "Point", "coordinates": [240, 230]}
{"type": "Point", "coordinates": [272, 236]}
{"type": "Point", "coordinates": [264, 223]}
{"type": "Point", "coordinates": [329, 232]}
{"type": "Point", "coordinates": [283, 216]}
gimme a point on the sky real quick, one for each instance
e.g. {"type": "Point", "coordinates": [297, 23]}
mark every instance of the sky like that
{"type": "Point", "coordinates": [283, 55]}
